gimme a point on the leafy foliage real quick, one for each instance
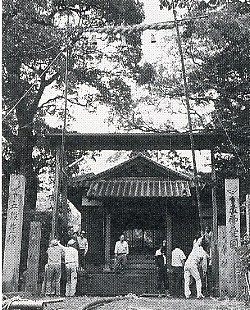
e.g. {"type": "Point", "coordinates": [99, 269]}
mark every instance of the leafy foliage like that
{"type": "Point", "coordinates": [217, 62]}
{"type": "Point", "coordinates": [34, 40]}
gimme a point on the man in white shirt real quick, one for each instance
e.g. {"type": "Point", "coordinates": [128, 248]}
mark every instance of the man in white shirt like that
{"type": "Point", "coordinates": [198, 257]}
{"type": "Point", "coordinates": [53, 269]}
{"type": "Point", "coordinates": [71, 266]}
{"type": "Point", "coordinates": [83, 247]}
{"type": "Point", "coordinates": [121, 252]}
{"type": "Point", "coordinates": [178, 260]}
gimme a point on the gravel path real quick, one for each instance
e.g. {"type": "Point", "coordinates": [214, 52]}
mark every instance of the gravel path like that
{"type": "Point", "coordinates": [143, 303]}
{"type": "Point", "coordinates": [182, 304]}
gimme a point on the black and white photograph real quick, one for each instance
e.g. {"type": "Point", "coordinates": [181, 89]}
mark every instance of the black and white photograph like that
{"type": "Point", "coordinates": [125, 154]}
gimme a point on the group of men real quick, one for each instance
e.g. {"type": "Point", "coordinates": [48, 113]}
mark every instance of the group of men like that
{"type": "Point", "coordinates": [72, 258]}
{"type": "Point", "coordinates": [194, 267]}
{"type": "Point", "coordinates": [68, 259]}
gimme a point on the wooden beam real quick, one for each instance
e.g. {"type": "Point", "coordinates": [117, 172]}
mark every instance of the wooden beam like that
{"type": "Point", "coordinates": [143, 141]}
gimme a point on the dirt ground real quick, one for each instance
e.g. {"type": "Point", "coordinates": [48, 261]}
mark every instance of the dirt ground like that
{"type": "Point", "coordinates": [145, 303]}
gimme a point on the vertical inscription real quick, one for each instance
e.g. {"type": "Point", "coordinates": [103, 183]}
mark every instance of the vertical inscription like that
{"type": "Point", "coordinates": [232, 231]}
{"type": "Point", "coordinates": [13, 233]}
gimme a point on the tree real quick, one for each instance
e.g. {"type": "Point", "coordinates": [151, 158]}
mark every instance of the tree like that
{"type": "Point", "coordinates": [34, 43]}
{"type": "Point", "coordinates": [215, 42]}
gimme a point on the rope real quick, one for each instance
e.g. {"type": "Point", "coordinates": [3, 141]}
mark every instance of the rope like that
{"type": "Point", "coordinates": [113, 30]}
{"type": "Point", "coordinates": [25, 94]}
{"type": "Point", "coordinates": [141, 27]}
{"type": "Point", "coordinates": [191, 136]}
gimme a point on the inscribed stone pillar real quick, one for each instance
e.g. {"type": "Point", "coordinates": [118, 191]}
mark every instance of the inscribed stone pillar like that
{"type": "Point", "coordinates": [232, 231]}
{"type": "Point", "coordinates": [33, 257]}
{"type": "Point", "coordinates": [13, 236]}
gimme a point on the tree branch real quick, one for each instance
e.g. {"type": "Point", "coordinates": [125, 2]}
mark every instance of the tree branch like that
{"type": "Point", "coordinates": [51, 79]}
{"type": "Point", "coordinates": [48, 102]}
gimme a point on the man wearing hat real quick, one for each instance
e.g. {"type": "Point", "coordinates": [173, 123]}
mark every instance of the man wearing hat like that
{"type": "Point", "coordinates": [71, 266]}
{"type": "Point", "coordinates": [53, 269]}
{"type": "Point", "coordinates": [83, 247]}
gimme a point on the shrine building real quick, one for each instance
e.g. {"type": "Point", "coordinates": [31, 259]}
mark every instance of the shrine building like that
{"type": "Point", "coordinates": [145, 201]}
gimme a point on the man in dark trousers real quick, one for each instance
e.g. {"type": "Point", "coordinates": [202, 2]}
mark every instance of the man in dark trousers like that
{"type": "Point", "coordinates": [161, 263]}
{"type": "Point", "coordinates": [178, 260]}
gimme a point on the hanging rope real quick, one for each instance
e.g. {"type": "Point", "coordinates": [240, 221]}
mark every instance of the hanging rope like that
{"type": "Point", "coordinates": [141, 27]}
{"type": "Point", "coordinates": [184, 77]}
{"type": "Point", "coordinates": [111, 30]}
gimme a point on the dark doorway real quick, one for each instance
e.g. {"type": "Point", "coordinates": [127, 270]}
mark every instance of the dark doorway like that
{"type": "Point", "coordinates": [142, 221]}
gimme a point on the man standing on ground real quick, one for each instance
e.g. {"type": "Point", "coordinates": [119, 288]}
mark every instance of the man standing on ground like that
{"type": "Point", "coordinates": [178, 260]}
{"type": "Point", "coordinates": [121, 252]}
{"type": "Point", "coordinates": [198, 257]}
{"type": "Point", "coordinates": [71, 266]}
{"type": "Point", "coordinates": [53, 269]}
{"type": "Point", "coordinates": [83, 248]}
{"type": "Point", "coordinates": [161, 263]}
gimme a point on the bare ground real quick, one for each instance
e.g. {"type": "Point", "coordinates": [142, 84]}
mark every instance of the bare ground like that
{"type": "Point", "coordinates": [143, 303]}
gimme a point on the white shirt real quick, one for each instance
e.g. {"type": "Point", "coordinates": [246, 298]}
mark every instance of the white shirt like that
{"type": "Point", "coordinates": [71, 255]}
{"type": "Point", "coordinates": [177, 257]}
{"type": "Point", "coordinates": [121, 247]}
{"type": "Point", "coordinates": [159, 253]}
{"type": "Point", "coordinates": [196, 256]}
{"type": "Point", "coordinates": [83, 243]}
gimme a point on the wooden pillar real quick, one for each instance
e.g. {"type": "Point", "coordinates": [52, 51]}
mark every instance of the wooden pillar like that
{"type": "Point", "coordinates": [107, 240]}
{"type": "Point", "coordinates": [222, 249]}
{"type": "Point", "coordinates": [214, 245]}
{"type": "Point", "coordinates": [13, 236]}
{"type": "Point", "coordinates": [169, 236]}
{"type": "Point", "coordinates": [54, 225]}
{"type": "Point", "coordinates": [33, 257]}
{"type": "Point", "coordinates": [64, 198]}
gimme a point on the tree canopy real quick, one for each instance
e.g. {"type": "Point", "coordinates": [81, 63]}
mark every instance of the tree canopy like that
{"type": "Point", "coordinates": [215, 41]}
{"type": "Point", "coordinates": [33, 51]}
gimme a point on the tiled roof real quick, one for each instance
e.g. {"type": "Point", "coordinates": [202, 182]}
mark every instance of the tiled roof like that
{"type": "Point", "coordinates": [143, 187]}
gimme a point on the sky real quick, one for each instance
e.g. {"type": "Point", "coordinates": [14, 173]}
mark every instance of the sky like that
{"type": "Point", "coordinates": [97, 122]}
{"type": "Point", "coordinates": [85, 122]}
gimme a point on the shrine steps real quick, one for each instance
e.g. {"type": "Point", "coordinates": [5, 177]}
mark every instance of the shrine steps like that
{"type": "Point", "coordinates": [114, 284]}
